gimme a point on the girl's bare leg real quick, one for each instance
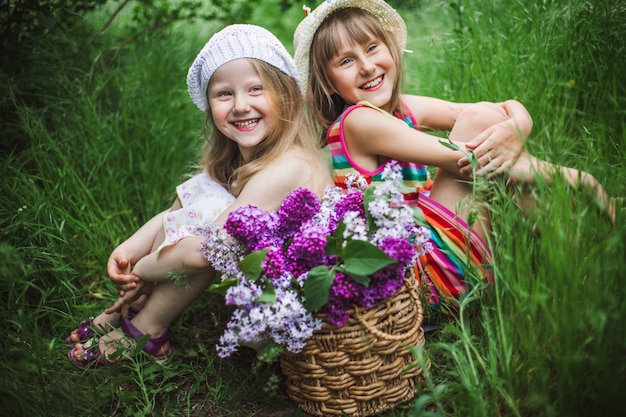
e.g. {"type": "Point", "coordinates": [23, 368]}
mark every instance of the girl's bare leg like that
{"type": "Point", "coordinates": [166, 302]}
{"type": "Point", "coordinates": [528, 168]}
{"type": "Point", "coordinates": [107, 321]}
{"type": "Point", "coordinates": [450, 189]}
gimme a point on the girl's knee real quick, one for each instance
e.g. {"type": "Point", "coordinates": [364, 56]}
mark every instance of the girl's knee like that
{"type": "Point", "coordinates": [479, 116]}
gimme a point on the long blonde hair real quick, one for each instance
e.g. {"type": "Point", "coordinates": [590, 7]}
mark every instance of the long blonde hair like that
{"type": "Point", "coordinates": [346, 25]}
{"type": "Point", "coordinates": [221, 156]}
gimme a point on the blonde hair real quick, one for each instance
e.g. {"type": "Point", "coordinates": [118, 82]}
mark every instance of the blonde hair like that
{"type": "Point", "coordinates": [346, 25]}
{"type": "Point", "coordinates": [221, 157]}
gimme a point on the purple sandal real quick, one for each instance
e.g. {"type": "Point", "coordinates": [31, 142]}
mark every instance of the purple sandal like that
{"type": "Point", "coordinates": [86, 330]}
{"type": "Point", "coordinates": [153, 345]}
{"type": "Point", "coordinates": [94, 358]}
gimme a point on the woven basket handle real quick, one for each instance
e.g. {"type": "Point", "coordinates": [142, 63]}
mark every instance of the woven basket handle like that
{"type": "Point", "coordinates": [395, 337]}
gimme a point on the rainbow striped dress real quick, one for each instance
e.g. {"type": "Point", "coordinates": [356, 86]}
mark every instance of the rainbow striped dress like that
{"type": "Point", "coordinates": [458, 254]}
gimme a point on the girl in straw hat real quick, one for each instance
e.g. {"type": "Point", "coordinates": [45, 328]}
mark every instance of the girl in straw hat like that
{"type": "Point", "coordinates": [349, 55]}
{"type": "Point", "coordinates": [260, 149]}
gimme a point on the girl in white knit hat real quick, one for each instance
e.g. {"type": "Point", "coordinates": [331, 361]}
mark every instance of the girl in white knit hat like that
{"type": "Point", "coordinates": [349, 55]}
{"type": "Point", "coordinates": [259, 150]}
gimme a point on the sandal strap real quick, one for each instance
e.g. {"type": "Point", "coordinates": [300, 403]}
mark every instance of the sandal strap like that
{"type": "Point", "coordinates": [85, 330]}
{"type": "Point", "coordinates": [153, 345]}
{"type": "Point", "coordinates": [92, 357]}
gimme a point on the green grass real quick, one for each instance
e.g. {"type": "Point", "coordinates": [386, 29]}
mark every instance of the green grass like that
{"type": "Point", "coordinates": [98, 152]}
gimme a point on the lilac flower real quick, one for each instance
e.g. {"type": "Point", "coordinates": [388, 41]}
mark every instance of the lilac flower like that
{"type": "Point", "coordinates": [423, 244]}
{"type": "Point", "coordinates": [337, 313]}
{"type": "Point", "coordinates": [274, 264]}
{"type": "Point", "coordinates": [354, 180]}
{"type": "Point", "coordinates": [300, 206]}
{"type": "Point", "coordinates": [307, 249]}
{"type": "Point", "coordinates": [221, 250]}
{"type": "Point", "coordinates": [343, 288]}
{"type": "Point", "coordinates": [245, 292]}
{"type": "Point", "coordinates": [353, 201]}
{"type": "Point", "coordinates": [252, 226]}
{"type": "Point", "coordinates": [285, 322]}
{"type": "Point", "coordinates": [399, 249]}
{"type": "Point", "coordinates": [356, 226]}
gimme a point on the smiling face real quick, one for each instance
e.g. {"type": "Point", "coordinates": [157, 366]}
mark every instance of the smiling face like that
{"type": "Point", "coordinates": [241, 108]}
{"type": "Point", "coordinates": [363, 71]}
{"type": "Point", "coordinates": [353, 58]}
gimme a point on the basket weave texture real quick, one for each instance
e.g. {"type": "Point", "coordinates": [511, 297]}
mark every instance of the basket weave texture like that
{"type": "Point", "coordinates": [364, 367]}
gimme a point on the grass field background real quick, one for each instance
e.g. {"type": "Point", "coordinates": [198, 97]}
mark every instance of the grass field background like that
{"type": "Point", "coordinates": [98, 149]}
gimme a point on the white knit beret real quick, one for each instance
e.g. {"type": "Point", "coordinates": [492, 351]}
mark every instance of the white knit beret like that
{"type": "Point", "coordinates": [234, 42]}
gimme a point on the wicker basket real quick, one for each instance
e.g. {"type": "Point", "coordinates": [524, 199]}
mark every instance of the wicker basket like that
{"type": "Point", "coordinates": [364, 367]}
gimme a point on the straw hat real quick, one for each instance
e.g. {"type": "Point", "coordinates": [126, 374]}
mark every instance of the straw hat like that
{"type": "Point", "coordinates": [234, 42]}
{"type": "Point", "coordinates": [303, 36]}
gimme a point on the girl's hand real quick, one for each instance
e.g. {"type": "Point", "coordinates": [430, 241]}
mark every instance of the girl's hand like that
{"type": "Point", "coordinates": [119, 271]}
{"type": "Point", "coordinates": [129, 297]}
{"type": "Point", "coordinates": [496, 150]}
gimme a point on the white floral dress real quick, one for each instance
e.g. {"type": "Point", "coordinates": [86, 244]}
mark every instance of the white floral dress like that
{"type": "Point", "coordinates": [202, 200]}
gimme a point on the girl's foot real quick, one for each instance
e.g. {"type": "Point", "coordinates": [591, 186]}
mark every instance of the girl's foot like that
{"type": "Point", "coordinates": [115, 345]}
{"type": "Point", "coordinates": [102, 324]}
{"type": "Point", "coordinates": [87, 329]}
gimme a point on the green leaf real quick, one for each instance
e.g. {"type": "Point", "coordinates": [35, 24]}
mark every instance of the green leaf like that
{"type": "Point", "coordinates": [332, 247]}
{"type": "Point", "coordinates": [316, 287]}
{"type": "Point", "coordinates": [221, 287]}
{"type": "Point", "coordinates": [418, 216]}
{"type": "Point", "coordinates": [448, 144]}
{"type": "Point", "coordinates": [269, 295]}
{"type": "Point", "coordinates": [251, 264]}
{"type": "Point", "coordinates": [333, 242]}
{"type": "Point", "coordinates": [368, 197]}
{"type": "Point", "coordinates": [360, 279]}
{"type": "Point", "coordinates": [363, 258]}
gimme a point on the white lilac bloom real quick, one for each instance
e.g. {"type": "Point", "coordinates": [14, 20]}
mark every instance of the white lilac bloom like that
{"type": "Point", "coordinates": [355, 181]}
{"type": "Point", "coordinates": [356, 226]}
{"type": "Point", "coordinates": [222, 251]}
{"type": "Point", "coordinates": [245, 292]}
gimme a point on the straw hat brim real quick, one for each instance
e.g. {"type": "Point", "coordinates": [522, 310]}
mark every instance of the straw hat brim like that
{"type": "Point", "coordinates": [305, 32]}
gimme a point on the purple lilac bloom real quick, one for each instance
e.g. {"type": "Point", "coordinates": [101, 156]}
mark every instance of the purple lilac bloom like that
{"type": "Point", "coordinates": [337, 313]}
{"type": "Point", "coordinates": [252, 226]}
{"type": "Point", "coordinates": [300, 206]}
{"type": "Point", "coordinates": [353, 201]}
{"type": "Point", "coordinates": [343, 287]}
{"type": "Point", "coordinates": [399, 249]}
{"type": "Point", "coordinates": [307, 249]}
{"type": "Point", "coordinates": [384, 283]}
{"type": "Point", "coordinates": [274, 263]}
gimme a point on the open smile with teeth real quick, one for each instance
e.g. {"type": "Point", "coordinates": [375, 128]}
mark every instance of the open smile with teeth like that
{"type": "Point", "coordinates": [372, 83]}
{"type": "Point", "coordinates": [246, 123]}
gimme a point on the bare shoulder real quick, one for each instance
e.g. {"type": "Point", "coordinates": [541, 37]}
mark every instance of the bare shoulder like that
{"type": "Point", "coordinates": [292, 170]}
{"type": "Point", "coordinates": [306, 170]}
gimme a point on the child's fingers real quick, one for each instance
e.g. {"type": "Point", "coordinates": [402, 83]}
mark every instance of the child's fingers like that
{"type": "Point", "coordinates": [116, 307]}
{"type": "Point", "coordinates": [128, 287]}
{"type": "Point", "coordinates": [124, 279]}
